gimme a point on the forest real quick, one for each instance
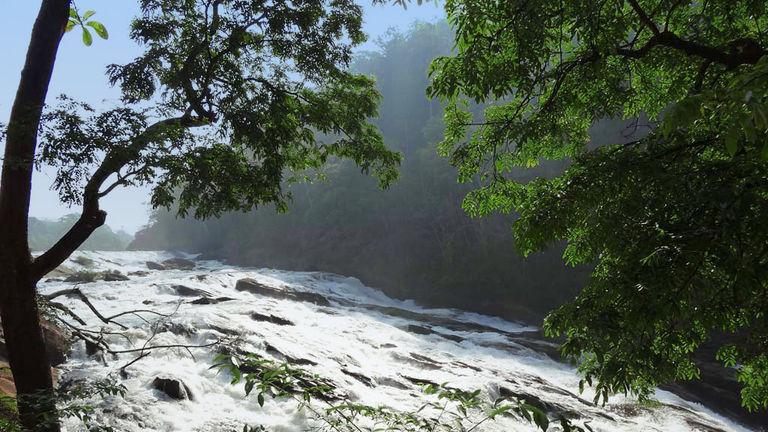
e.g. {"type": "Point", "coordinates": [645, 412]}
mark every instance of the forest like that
{"type": "Point", "coordinates": [527, 215]}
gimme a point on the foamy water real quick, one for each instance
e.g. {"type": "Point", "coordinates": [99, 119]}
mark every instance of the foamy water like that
{"type": "Point", "coordinates": [355, 336]}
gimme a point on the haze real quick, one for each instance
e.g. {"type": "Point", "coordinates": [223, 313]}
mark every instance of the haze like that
{"type": "Point", "coordinates": [80, 74]}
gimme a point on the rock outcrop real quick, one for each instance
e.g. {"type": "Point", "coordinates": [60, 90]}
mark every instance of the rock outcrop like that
{"type": "Point", "coordinates": [255, 287]}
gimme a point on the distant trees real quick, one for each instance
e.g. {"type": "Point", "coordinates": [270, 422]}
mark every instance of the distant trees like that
{"type": "Point", "coordinates": [44, 233]}
{"type": "Point", "coordinates": [674, 220]}
{"type": "Point", "coordinates": [228, 99]}
{"type": "Point", "coordinates": [412, 240]}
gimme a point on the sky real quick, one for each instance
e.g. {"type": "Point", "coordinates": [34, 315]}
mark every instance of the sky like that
{"type": "Point", "coordinates": [79, 73]}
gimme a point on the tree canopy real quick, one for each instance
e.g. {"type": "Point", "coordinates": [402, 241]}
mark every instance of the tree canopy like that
{"type": "Point", "coordinates": [673, 219]}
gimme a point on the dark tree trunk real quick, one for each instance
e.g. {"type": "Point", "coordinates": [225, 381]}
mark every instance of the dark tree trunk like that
{"type": "Point", "coordinates": [18, 303]}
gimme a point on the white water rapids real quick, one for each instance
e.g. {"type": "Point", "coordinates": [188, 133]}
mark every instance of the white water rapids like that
{"type": "Point", "coordinates": [369, 345]}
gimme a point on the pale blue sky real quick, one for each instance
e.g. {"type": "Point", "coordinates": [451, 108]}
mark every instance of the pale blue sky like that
{"type": "Point", "coordinates": [80, 73]}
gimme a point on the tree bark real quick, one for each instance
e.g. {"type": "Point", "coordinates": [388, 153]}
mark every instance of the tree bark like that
{"type": "Point", "coordinates": [18, 302]}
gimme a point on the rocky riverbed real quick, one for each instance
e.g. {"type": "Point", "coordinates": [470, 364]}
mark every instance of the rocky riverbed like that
{"type": "Point", "coordinates": [374, 349]}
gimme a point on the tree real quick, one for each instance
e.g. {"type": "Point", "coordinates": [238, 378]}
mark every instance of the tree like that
{"type": "Point", "coordinates": [674, 220]}
{"type": "Point", "coordinates": [230, 100]}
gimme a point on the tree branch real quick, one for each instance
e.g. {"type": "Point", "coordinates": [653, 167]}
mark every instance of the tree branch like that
{"type": "Point", "coordinates": [92, 217]}
{"type": "Point", "coordinates": [745, 51]}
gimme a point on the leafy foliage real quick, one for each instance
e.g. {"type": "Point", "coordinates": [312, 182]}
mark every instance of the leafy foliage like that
{"type": "Point", "coordinates": [84, 21]}
{"type": "Point", "coordinates": [265, 86]}
{"type": "Point", "coordinates": [673, 220]}
{"type": "Point", "coordinates": [448, 409]}
{"type": "Point", "coordinates": [73, 400]}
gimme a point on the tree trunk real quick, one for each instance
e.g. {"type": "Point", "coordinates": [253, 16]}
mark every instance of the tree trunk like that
{"type": "Point", "coordinates": [18, 303]}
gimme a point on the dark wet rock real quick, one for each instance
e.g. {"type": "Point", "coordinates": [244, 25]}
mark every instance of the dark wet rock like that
{"type": "Point", "coordinates": [49, 280]}
{"type": "Point", "coordinates": [468, 366]}
{"type": "Point", "coordinates": [358, 376]}
{"type": "Point", "coordinates": [82, 277]}
{"type": "Point", "coordinates": [255, 287]}
{"type": "Point", "coordinates": [83, 261]}
{"type": "Point", "coordinates": [387, 345]}
{"type": "Point", "coordinates": [210, 300]}
{"type": "Point", "coordinates": [173, 388]}
{"type": "Point", "coordinates": [224, 330]}
{"type": "Point", "coordinates": [91, 348]}
{"type": "Point", "coordinates": [419, 330]}
{"type": "Point", "coordinates": [415, 361]}
{"type": "Point", "coordinates": [147, 302]}
{"type": "Point", "coordinates": [702, 427]}
{"type": "Point", "coordinates": [155, 266]}
{"type": "Point", "coordinates": [270, 318]}
{"type": "Point", "coordinates": [140, 273]}
{"type": "Point", "coordinates": [420, 381]}
{"type": "Point", "coordinates": [114, 276]}
{"type": "Point", "coordinates": [277, 353]}
{"type": "Point", "coordinates": [424, 358]}
{"type": "Point", "coordinates": [553, 409]}
{"type": "Point", "coordinates": [433, 320]}
{"type": "Point", "coordinates": [450, 337]}
{"type": "Point", "coordinates": [422, 330]}
{"type": "Point", "coordinates": [201, 277]}
{"type": "Point", "coordinates": [391, 382]}
{"type": "Point", "coordinates": [178, 264]}
{"type": "Point", "coordinates": [186, 291]}
{"type": "Point", "coordinates": [176, 328]}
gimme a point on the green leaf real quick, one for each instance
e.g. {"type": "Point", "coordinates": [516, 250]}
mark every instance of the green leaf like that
{"type": "Point", "coordinates": [87, 14]}
{"type": "Point", "coordinates": [99, 29]}
{"type": "Point", "coordinates": [260, 399]}
{"type": "Point", "coordinates": [73, 14]}
{"type": "Point", "coordinates": [70, 25]}
{"type": "Point", "coordinates": [87, 38]}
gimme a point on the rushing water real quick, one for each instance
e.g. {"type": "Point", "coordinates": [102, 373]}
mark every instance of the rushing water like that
{"type": "Point", "coordinates": [369, 345]}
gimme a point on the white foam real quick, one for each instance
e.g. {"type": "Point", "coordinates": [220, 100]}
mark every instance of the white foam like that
{"type": "Point", "coordinates": [344, 336]}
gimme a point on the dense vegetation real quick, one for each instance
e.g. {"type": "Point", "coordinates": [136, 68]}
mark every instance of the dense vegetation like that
{"type": "Point", "coordinates": [673, 220]}
{"type": "Point", "coordinates": [412, 240]}
{"type": "Point", "coordinates": [43, 233]}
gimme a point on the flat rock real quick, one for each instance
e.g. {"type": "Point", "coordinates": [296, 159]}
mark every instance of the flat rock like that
{"type": "Point", "coordinates": [155, 266]}
{"type": "Point", "coordinates": [255, 287]}
{"type": "Point", "coordinates": [210, 300]}
{"type": "Point", "coordinates": [179, 264]}
{"type": "Point", "coordinates": [186, 291]}
{"type": "Point", "coordinates": [270, 318]}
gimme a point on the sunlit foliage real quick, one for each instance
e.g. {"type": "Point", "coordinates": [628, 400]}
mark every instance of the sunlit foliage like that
{"type": "Point", "coordinates": [674, 220]}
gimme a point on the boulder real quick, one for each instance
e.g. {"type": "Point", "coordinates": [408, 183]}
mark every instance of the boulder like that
{"type": "Point", "coordinates": [114, 276]}
{"type": "Point", "coordinates": [173, 388]}
{"type": "Point", "coordinates": [83, 261]}
{"type": "Point", "coordinates": [155, 266]}
{"type": "Point", "coordinates": [210, 300]}
{"type": "Point", "coordinates": [178, 264]}
{"type": "Point", "coordinates": [57, 343]}
{"type": "Point", "coordinates": [83, 277]}
{"type": "Point", "coordinates": [255, 287]}
{"type": "Point", "coordinates": [270, 318]}
{"type": "Point", "coordinates": [186, 291]}
{"type": "Point", "coordinates": [140, 273]}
